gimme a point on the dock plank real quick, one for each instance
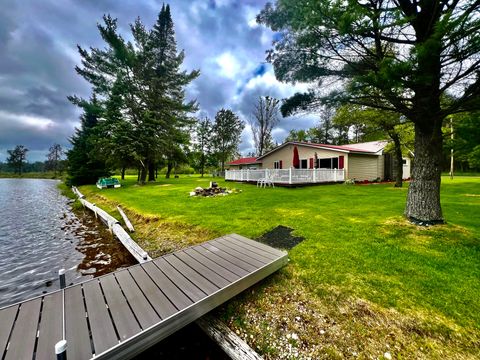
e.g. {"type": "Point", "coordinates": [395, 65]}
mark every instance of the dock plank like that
{"type": "Point", "coordinates": [143, 310]}
{"type": "Point", "coordinates": [50, 330]}
{"type": "Point", "coordinates": [187, 287]}
{"type": "Point", "coordinates": [251, 248]}
{"type": "Point", "coordinates": [237, 270]}
{"type": "Point", "coordinates": [192, 274]}
{"type": "Point", "coordinates": [103, 331]}
{"type": "Point", "coordinates": [7, 319]}
{"type": "Point", "coordinates": [257, 244]}
{"type": "Point", "coordinates": [122, 315]}
{"type": "Point", "coordinates": [211, 275]}
{"type": "Point", "coordinates": [217, 249]}
{"type": "Point", "coordinates": [222, 271]}
{"type": "Point", "coordinates": [246, 258]}
{"type": "Point", "coordinates": [243, 250]}
{"type": "Point", "coordinates": [149, 278]}
{"type": "Point", "coordinates": [76, 327]}
{"type": "Point", "coordinates": [24, 334]}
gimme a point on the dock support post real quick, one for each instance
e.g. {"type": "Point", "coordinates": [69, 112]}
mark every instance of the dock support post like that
{"type": "Point", "coordinates": [61, 350]}
{"type": "Point", "coordinates": [61, 276]}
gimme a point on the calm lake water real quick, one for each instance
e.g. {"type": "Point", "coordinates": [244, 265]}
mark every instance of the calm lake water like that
{"type": "Point", "coordinates": [39, 234]}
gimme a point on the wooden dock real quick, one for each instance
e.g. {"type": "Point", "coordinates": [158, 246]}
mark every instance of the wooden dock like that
{"type": "Point", "coordinates": [119, 315]}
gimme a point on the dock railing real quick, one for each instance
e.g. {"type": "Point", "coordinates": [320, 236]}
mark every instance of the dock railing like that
{"type": "Point", "coordinates": [287, 176]}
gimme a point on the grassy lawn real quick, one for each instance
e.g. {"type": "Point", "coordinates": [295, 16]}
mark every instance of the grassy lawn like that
{"type": "Point", "coordinates": [363, 283]}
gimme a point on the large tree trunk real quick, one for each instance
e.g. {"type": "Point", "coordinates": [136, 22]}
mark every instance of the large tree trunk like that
{"type": "Point", "coordinates": [143, 174]}
{"type": "Point", "coordinates": [151, 171]}
{"type": "Point", "coordinates": [123, 172]}
{"type": "Point", "coordinates": [169, 170]}
{"type": "Point", "coordinates": [423, 199]}
{"type": "Point", "coordinates": [398, 159]}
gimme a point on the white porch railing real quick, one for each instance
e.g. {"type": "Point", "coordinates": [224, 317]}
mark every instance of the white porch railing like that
{"type": "Point", "coordinates": [287, 176]}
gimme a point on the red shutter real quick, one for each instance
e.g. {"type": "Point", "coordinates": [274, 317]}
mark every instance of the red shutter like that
{"type": "Point", "coordinates": [340, 162]}
{"type": "Point", "coordinates": [281, 164]}
{"type": "Point", "coordinates": [311, 163]}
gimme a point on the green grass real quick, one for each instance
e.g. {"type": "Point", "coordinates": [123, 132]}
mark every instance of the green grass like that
{"type": "Point", "coordinates": [423, 282]}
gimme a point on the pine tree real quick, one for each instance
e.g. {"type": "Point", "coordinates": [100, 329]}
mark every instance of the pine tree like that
{"type": "Point", "coordinates": [17, 158]}
{"type": "Point", "coordinates": [85, 162]}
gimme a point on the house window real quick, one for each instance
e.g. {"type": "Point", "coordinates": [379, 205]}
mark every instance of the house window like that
{"type": "Point", "coordinates": [276, 164]}
{"type": "Point", "coordinates": [327, 163]}
{"type": "Point", "coordinates": [304, 164]}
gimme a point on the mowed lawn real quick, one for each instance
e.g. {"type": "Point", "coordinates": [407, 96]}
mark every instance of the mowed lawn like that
{"type": "Point", "coordinates": [364, 282]}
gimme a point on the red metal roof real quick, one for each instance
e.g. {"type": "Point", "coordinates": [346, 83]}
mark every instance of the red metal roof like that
{"type": "Point", "coordinates": [243, 161]}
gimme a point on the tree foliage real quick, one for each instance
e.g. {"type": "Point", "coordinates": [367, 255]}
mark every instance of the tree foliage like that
{"type": "Point", "coordinates": [86, 162]}
{"type": "Point", "coordinates": [17, 158]}
{"type": "Point", "coordinates": [54, 158]}
{"type": "Point", "coordinates": [227, 129]}
{"type": "Point", "coordinates": [402, 56]}
{"type": "Point", "coordinates": [142, 86]}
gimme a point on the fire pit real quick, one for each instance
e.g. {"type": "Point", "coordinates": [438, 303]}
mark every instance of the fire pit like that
{"type": "Point", "coordinates": [212, 191]}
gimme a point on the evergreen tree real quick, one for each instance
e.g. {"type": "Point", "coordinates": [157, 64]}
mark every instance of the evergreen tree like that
{"type": "Point", "coordinates": [86, 163]}
{"type": "Point", "coordinates": [227, 130]}
{"type": "Point", "coordinates": [17, 158]}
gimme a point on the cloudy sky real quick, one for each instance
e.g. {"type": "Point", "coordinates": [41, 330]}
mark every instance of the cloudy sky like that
{"type": "Point", "coordinates": [38, 54]}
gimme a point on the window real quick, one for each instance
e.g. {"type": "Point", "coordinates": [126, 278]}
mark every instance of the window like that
{"type": "Point", "coordinates": [277, 164]}
{"type": "Point", "coordinates": [328, 163]}
{"type": "Point", "coordinates": [304, 164]}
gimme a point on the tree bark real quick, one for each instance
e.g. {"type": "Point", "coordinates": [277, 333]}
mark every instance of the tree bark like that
{"type": "Point", "coordinates": [423, 199]}
{"type": "Point", "coordinates": [151, 171]}
{"type": "Point", "coordinates": [143, 175]}
{"type": "Point", "coordinates": [169, 170]}
{"type": "Point", "coordinates": [398, 160]}
{"type": "Point", "coordinates": [123, 172]}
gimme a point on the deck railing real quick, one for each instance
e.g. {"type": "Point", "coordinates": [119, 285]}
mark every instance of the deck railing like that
{"type": "Point", "coordinates": [287, 176]}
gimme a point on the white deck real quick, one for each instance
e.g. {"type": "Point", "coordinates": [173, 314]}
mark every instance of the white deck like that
{"type": "Point", "coordinates": [287, 176]}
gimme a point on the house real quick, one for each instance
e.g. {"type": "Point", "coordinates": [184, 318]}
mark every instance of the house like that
{"type": "Point", "coordinates": [362, 161]}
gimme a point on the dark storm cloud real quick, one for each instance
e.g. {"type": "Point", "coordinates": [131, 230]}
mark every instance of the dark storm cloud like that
{"type": "Point", "coordinates": [38, 55]}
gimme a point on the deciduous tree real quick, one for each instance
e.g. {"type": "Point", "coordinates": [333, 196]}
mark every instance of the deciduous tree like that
{"type": "Point", "coordinates": [398, 55]}
{"type": "Point", "coordinates": [227, 129]}
{"type": "Point", "coordinates": [265, 117]}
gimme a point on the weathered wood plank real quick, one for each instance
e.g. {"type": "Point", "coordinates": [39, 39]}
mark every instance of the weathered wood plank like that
{"type": "Point", "coordinates": [126, 220]}
{"type": "Point", "coordinates": [243, 250]}
{"type": "Point", "coordinates": [103, 332]}
{"type": "Point", "coordinates": [230, 343]}
{"type": "Point", "coordinates": [7, 318]}
{"type": "Point", "coordinates": [188, 288]}
{"type": "Point", "coordinates": [51, 326]}
{"type": "Point", "coordinates": [142, 309]}
{"type": "Point", "coordinates": [122, 315]}
{"type": "Point", "coordinates": [191, 274]}
{"type": "Point", "coordinates": [76, 328]}
{"type": "Point", "coordinates": [222, 271]}
{"type": "Point", "coordinates": [24, 334]}
{"type": "Point", "coordinates": [163, 305]}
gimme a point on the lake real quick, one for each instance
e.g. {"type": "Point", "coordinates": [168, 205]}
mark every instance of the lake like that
{"type": "Point", "coordinates": [40, 234]}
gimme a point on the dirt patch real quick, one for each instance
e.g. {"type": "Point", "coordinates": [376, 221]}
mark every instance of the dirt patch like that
{"type": "Point", "coordinates": [281, 237]}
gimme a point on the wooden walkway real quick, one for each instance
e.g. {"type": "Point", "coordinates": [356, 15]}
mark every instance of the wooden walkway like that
{"type": "Point", "coordinates": [119, 315]}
